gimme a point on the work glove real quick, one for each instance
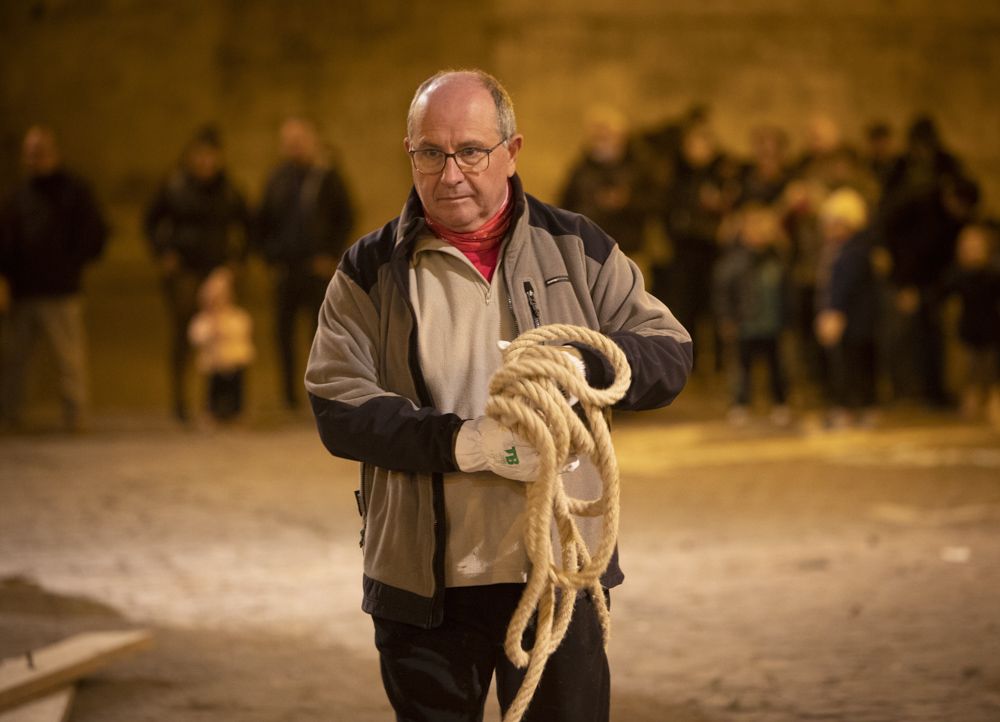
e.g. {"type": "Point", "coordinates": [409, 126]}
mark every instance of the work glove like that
{"type": "Point", "coordinates": [484, 444]}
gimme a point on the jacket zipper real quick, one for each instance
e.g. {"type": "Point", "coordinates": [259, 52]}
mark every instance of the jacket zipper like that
{"type": "Point", "coordinates": [529, 291]}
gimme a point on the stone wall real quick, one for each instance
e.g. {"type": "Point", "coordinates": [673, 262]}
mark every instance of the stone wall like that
{"type": "Point", "coordinates": [125, 81]}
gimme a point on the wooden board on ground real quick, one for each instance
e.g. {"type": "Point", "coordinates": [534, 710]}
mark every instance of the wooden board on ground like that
{"type": "Point", "coordinates": [53, 707]}
{"type": "Point", "coordinates": [59, 664]}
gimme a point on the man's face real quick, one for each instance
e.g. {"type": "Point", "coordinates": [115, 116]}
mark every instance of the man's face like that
{"type": "Point", "coordinates": [298, 141]}
{"type": "Point", "coordinates": [39, 153]}
{"type": "Point", "coordinates": [204, 162]}
{"type": "Point", "coordinates": [459, 113]}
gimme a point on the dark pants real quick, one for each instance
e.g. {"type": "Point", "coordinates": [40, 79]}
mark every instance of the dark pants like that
{"type": "Point", "coordinates": [918, 353]}
{"type": "Point", "coordinates": [851, 374]}
{"type": "Point", "coordinates": [225, 394]}
{"type": "Point", "coordinates": [181, 292]}
{"type": "Point", "coordinates": [298, 291]}
{"type": "Point", "coordinates": [768, 350]}
{"type": "Point", "coordinates": [443, 674]}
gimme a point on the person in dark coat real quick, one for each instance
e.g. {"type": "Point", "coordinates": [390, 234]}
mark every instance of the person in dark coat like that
{"type": "Point", "coordinates": [610, 183]}
{"type": "Point", "coordinates": [925, 202]}
{"type": "Point", "coordinates": [751, 292]}
{"type": "Point", "coordinates": [975, 281]}
{"type": "Point", "coordinates": [51, 228]}
{"type": "Point", "coordinates": [847, 309]}
{"type": "Point", "coordinates": [302, 227]}
{"type": "Point", "coordinates": [197, 222]}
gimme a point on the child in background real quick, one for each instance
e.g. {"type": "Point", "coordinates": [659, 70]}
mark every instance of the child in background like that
{"type": "Point", "coordinates": [975, 280]}
{"type": "Point", "coordinates": [221, 334]}
{"type": "Point", "coordinates": [847, 309]}
{"type": "Point", "coordinates": [751, 289]}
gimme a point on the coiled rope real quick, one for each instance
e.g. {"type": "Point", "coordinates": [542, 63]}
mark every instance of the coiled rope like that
{"type": "Point", "coordinates": [526, 395]}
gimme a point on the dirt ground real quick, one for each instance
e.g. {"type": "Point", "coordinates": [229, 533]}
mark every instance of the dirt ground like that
{"type": "Point", "coordinates": [772, 575]}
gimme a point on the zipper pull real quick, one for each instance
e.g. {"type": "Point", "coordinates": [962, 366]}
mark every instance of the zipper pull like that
{"type": "Point", "coordinates": [529, 291]}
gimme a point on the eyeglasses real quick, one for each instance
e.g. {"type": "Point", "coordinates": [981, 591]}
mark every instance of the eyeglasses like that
{"type": "Point", "coordinates": [431, 161]}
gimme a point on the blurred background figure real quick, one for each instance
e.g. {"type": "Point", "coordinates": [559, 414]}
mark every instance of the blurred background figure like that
{"type": "Point", "coordinates": [846, 318]}
{"type": "Point", "coordinates": [222, 334]}
{"type": "Point", "coordinates": [879, 153]}
{"type": "Point", "coordinates": [610, 182]}
{"type": "Point", "coordinates": [303, 225]}
{"type": "Point", "coordinates": [196, 222]}
{"type": "Point", "coordinates": [703, 191]}
{"type": "Point", "coordinates": [751, 298]}
{"type": "Point", "coordinates": [975, 281]}
{"type": "Point", "coordinates": [764, 177]}
{"type": "Point", "coordinates": [925, 202]}
{"type": "Point", "coordinates": [826, 163]}
{"type": "Point", "coordinates": [50, 229]}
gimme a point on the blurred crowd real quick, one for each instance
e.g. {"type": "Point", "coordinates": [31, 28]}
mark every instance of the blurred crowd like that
{"type": "Point", "coordinates": [831, 270]}
{"type": "Point", "coordinates": [200, 230]}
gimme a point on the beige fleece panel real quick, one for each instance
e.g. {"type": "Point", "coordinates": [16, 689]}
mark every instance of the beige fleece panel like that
{"type": "Point", "coordinates": [460, 318]}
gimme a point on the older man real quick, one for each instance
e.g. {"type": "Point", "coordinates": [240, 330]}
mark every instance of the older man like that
{"type": "Point", "coordinates": [50, 229]}
{"type": "Point", "coordinates": [407, 341]}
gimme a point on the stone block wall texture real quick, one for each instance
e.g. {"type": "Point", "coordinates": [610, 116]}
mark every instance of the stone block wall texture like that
{"type": "Point", "coordinates": [124, 82]}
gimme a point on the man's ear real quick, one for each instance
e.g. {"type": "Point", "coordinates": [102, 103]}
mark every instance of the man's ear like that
{"type": "Point", "coordinates": [513, 148]}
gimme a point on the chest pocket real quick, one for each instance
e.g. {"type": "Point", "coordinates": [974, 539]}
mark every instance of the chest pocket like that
{"type": "Point", "coordinates": [557, 300]}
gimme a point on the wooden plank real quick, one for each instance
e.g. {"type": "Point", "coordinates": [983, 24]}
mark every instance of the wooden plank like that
{"type": "Point", "coordinates": [51, 708]}
{"type": "Point", "coordinates": [26, 677]}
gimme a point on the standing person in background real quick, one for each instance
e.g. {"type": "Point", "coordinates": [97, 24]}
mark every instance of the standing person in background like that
{"type": "Point", "coordinates": [926, 201]}
{"type": "Point", "coordinates": [702, 193]}
{"type": "Point", "coordinates": [825, 165]}
{"type": "Point", "coordinates": [399, 379]}
{"type": "Point", "coordinates": [846, 318]}
{"type": "Point", "coordinates": [50, 229]}
{"type": "Point", "coordinates": [303, 223]}
{"type": "Point", "coordinates": [222, 334]}
{"type": "Point", "coordinates": [197, 222]}
{"type": "Point", "coordinates": [609, 182]}
{"type": "Point", "coordinates": [975, 281]}
{"type": "Point", "coordinates": [751, 303]}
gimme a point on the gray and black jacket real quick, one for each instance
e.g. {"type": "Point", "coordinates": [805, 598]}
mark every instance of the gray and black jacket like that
{"type": "Point", "coordinates": [372, 404]}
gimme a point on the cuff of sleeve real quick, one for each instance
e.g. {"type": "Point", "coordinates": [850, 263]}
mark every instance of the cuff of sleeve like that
{"type": "Point", "coordinates": [600, 372]}
{"type": "Point", "coordinates": [469, 448]}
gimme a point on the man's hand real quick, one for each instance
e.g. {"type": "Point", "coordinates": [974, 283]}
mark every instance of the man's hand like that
{"type": "Point", "coordinates": [830, 327]}
{"type": "Point", "coordinates": [483, 444]}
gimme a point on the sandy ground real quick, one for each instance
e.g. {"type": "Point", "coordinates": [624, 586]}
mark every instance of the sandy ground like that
{"type": "Point", "coordinates": [772, 575]}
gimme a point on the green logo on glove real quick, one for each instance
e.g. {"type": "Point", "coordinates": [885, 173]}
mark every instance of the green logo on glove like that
{"type": "Point", "coordinates": [511, 458]}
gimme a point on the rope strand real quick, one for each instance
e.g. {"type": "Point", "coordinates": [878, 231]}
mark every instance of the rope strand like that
{"type": "Point", "coordinates": [527, 396]}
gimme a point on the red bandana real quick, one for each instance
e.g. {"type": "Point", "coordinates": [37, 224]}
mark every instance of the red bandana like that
{"type": "Point", "coordinates": [481, 246]}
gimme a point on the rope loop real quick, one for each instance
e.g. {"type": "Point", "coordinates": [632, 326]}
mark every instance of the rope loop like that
{"type": "Point", "coordinates": [528, 394]}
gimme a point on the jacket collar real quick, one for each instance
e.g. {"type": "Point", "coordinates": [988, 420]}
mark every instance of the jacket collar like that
{"type": "Point", "coordinates": [411, 219]}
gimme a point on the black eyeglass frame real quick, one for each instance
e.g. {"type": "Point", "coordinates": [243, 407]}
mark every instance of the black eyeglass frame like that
{"type": "Point", "coordinates": [461, 166]}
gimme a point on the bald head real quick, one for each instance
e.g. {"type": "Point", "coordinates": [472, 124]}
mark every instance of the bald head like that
{"type": "Point", "coordinates": [299, 141]}
{"type": "Point", "coordinates": [448, 81]}
{"type": "Point", "coordinates": [40, 152]}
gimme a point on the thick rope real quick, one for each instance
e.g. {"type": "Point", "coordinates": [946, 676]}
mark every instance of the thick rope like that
{"type": "Point", "coordinates": [527, 396]}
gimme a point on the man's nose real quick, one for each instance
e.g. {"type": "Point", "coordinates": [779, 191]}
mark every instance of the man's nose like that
{"type": "Point", "coordinates": [451, 173]}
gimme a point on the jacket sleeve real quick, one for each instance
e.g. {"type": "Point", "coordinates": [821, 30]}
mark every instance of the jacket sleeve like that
{"type": "Point", "coordinates": [154, 222]}
{"type": "Point", "coordinates": [89, 224]}
{"type": "Point", "coordinates": [356, 417]}
{"type": "Point", "coordinates": [338, 213]}
{"type": "Point", "coordinates": [657, 346]}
